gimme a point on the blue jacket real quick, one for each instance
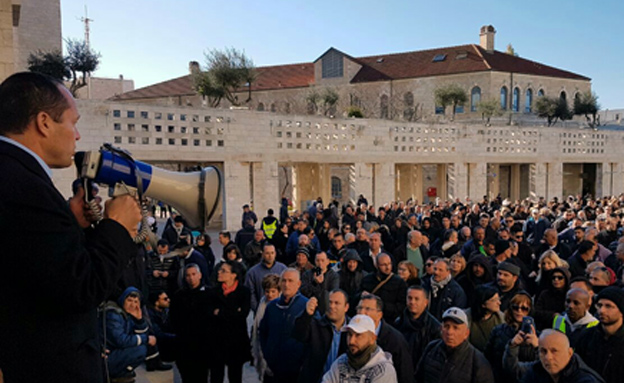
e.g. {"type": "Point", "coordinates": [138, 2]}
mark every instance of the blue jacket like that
{"type": "Point", "coordinates": [282, 352]}
{"type": "Point", "coordinates": [253, 280]}
{"type": "Point", "coordinates": [122, 329]}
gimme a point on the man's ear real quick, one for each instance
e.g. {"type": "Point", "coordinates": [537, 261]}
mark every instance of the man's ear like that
{"type": "Point", "coordinates": [42, 123]}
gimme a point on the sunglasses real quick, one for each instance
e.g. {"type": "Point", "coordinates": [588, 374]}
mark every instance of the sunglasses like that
{"type": "Point", "coordinates": [557, 277]}
{"type": "Point", "coordinates": [428, 264]}
{"type": "Point", "coordinates": [520, 308]}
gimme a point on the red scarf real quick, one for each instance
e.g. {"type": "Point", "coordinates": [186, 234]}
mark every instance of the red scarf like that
{"type": "Point", "coordinates": [228, 290]}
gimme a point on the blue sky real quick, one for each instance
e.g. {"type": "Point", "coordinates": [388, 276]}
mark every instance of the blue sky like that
{"type": "Point", "coordinates": [153, 40]}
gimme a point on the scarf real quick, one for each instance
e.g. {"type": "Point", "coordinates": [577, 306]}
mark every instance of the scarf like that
{"type": "Point", "coordinates": [358, 360]}
{"type": "Point", "coordinates": [229, 290]}
{"type": "Point", "coordinates": [436, 286]}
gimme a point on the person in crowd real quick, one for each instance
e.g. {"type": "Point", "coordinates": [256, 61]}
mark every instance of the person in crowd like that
{"type": "Point", "coordinates": [478, 272]}
{"type": "Point", "coordinates": [337, 249]}
{"type": "Point", "coordinates": [364, 359]}
{"type": "Point", "coordinates": [615, 261]}
{"type": "Point", "coordinates": [202, 245]}
{"type": "Point", "coordinates": [601, 277]}
{"type": "Point", "coordinates": [520, 307]}
{"type": "Point", "coordinates": [444, 292]}
{"type": "Point", "coordinates": [225, 240]}
{"type": "Point", "coordinates": [413, 251]}
{"type": "Point", "coordinates": [187, 255]}
{"type": "Point", "coordinates": [190, 320]}
{"type": "Point", "coordinates": [548, 261]}
{"type": "Point", "coordinates": [557, 361]}
{"type": "Point", "coordinates": [319, 281]}
{"type": "Point", "coordinates": [408, 273]}
{"type": "Point", "coordinates": [552, 300]}
{"type": "Point", "coordinates": [388, 286]}
{"type": "Point", "coordinates": [417, 324]}
{"type": "Point", "coordinates": [388, 338]}
{"type": "Point", "coordinates": [271, 287]}
{"type": "Point", "coordinates": [576, 316]}
{"type": "Point", "coordinates": [458, 265]}
{"type": "Point", "coordinates": [475, 245]}
{"type": "Point", "coordinates": [350, 276]}
{"type": "Point", "coordinates": [302, 260]}
{"type": "Point", "coordinates": [484, 314]}
{"type": "Point", "coordinates": [178, 232]}
{"type": "Point", "coordinates": [280, 239]}
{"type": "Point", "coordinates": [269, 225]}
{"type": "Point", "coordinates": [127, 339]}
{"type": "Point", "coordinates": [323, 335]}
{"type": "Point", "coordinates": [602, 346]}
{"type": "Point", "coordinates": [229, 303]}
{"type": "Point", "coordinates": [452, 358]}
{"type": "Point", "coordinates": [578, 262]}
{"type": "Point", "coordinates": [162, 269]}
{"type": "Point", "coordinates": [160, 324]}
{"type": "Point", "coordinates": [362, 246]}
{"type": "Point", "coordinates": [551, 242]}
{"type": "Point", "coordinates": [284, 355]}
{"type": "Point", "coordinates": [232, 254]}
{"type": "Point", "coordinates": [506, 282]}
{"type": "Point", "coordinates": [245, 235]}
{"type": "Point", "coordinates": [253, 250]}
{"type": "Point", "coordinates": [249, 217]}
{"type": "Point", "coordinates": [254, 277]}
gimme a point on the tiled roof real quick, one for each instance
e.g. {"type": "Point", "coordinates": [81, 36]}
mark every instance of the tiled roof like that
{"type": "Point", "coordinates": [452, 60]}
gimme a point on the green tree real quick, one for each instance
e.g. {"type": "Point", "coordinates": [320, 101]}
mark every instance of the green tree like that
{"type": "Point", "coordinates": [553, 109]}
{"type": "Point", "coordinates": [326, 100]}
{"type": "Point", "coordinates": [586, 104]}
{"type": "Point", "coordinates": [452, 95]}
{"type": "Point", "coordinates": [489, 109]}
{"type": "Point", "coordinates": [227, 72]}
{"type": "Point", "coordinates": [75, 67]}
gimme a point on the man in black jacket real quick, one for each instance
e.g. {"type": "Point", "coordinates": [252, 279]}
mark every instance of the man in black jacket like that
{"type": "Point", "coordinates": [388, 338]}
{"type": "Point", "coordinates": [323, 336]}
{"type": "Point", "coordinates": [48, 321]}
{"type": "Point", "coordinates": [578, 262]}
{"type": "Point", "coordinates": [416, 324]}
{"type": "Point", "coordinates": [388, 286]}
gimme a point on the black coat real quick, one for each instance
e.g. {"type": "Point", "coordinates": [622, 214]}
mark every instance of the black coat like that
{"type": "Point", "coordinates": [393, 294]}
{"type": "Point", "coordinates": [53, 276]}
{"type": "Point", "coordinates": [228, 336]}
{"type": "Point", "coordinates": [575, 372]}
{"type": "Point", "coordinates": [418, 333]}
{"type": "Point", "coordinates": [392, 341]}
{"type": "Point", "coordinates": [452, 295]}
{"type": "Point", "coordinates": [495, 348]}
{"type": "Point", "coordinates": [318, 335]}
{"type": "Point", "coordinates": [605, 356]}
{"type": "Point", "coordinates": [191, 321]}
{"type": "Point", "coordinates": [463, 364]}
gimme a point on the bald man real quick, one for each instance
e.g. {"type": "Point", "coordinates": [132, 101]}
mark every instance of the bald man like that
{"type": "Point", "coordinates": [557, 362]}
{"type": "Point", "coordinates": [576, 316]}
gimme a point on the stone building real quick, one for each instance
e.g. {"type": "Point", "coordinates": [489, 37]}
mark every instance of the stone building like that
{"type": "Point", "coordinates": [27, 26]}
{"type": "Point", "coordinates": [396, 86]}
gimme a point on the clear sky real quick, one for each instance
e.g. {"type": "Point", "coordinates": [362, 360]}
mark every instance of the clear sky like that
{"type": "Point", "coordinates": [150, 41]}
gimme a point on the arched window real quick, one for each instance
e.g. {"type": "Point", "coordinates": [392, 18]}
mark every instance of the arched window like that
{"type": "Point", "coordinates": [563, 96]}
{"type": "Point", "coordinates": [287, 107]}
{"type": "Point", "coordinates": [540, 93]}
{"type": "Point", "coordinates": [260, 107]}
{"type": "Point", "coordinates": [503, 98]}
{"type": "Point", "coordinates": [383, 102]}
{"type": "Point", "coordinates": [273, 108]}
{"type": "Point", "coordinates": [475, 98]}
{"type": "Point", "coordinates": [528, 101]}
{"type": "Point", "coordinates": [336, 187]}
{"type": "Point", "coordinates": [515, 104]}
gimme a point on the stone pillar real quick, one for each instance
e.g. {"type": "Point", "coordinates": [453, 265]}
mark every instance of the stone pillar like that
{"type": "Point", "coordinates": [555, 180]}
{"type": "Point", "coordinates": [237, 187]}
{"type": "Point", "coordinates": [493, 180]}
{"type": "Point", "coordinates": [538, 180]}
{"type": "Point", "coordinates": [514, 192]}
{"type": "Point", "coordinates": [460, 181]}
{"type": "Point", "coordinates": [606, 173]}
{"type": "Point", "coordinates": [478, 180]}
{"type": "Point", "coordinates": [7, 57]}
{"type": "Point", "coordinates": [417, 183]}
{"type": "Point", "coordinates": [363, 180]}
{"type": "Point", "coordinates": [384, 183]}
{"type": "Point", "coordinates": [617, 186]}
{"type": "Point", "coordinates": [324, 174]}
{"type": "Point", "coordinates": [265, 187]}
{"type": "Point", "coordinates": [307, 184]}
{"type": "Point", "coordinates": [442, 182]}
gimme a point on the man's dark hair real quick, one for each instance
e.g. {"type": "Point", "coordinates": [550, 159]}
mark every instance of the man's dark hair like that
{"type": "Point", "coordinates": [23, 95]}
{"type": "Point", "coordinates": [225, 234]}
{"type": "Point", "coordinates": [341, 291]}
{"type": "Point", "coordinates": [154, 296]}
{"type": "Point", "coordinates": [585, 246]}
{"type": "Point", "coordinates": [270, 212]}
{"type": "Point", "coordinates": [582, 280]}
{"type": "Point", "coordinates": [371, 297]}
{"type": "Point", "coordinates": [418, 288]}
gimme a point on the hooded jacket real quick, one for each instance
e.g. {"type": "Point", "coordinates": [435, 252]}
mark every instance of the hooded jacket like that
{"type": "Point", "coordinates": [418, 333]}
{"type": "Point", "coordinates": [351, 282]}
{"type": "Point", "coordinates": [124, 330]}
{"type": "Point", "coordinates": [468, 281]}
{"type": "Point", "coordinates": [379, 369]}
{"type": "Point", "coordinates": [551, 301]}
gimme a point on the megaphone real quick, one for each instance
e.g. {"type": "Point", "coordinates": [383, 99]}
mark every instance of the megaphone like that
{"type": "Point", "coordinates": [195, 195]}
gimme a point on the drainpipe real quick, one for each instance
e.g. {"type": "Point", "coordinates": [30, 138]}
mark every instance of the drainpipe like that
{"type": "Point", "coordinates": [511, 94]}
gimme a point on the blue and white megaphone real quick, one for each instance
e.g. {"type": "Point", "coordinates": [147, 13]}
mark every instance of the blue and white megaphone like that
{"type": "Point", "coordinates": [195, 195]}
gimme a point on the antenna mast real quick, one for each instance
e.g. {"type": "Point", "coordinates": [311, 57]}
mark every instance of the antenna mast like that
{"type": "Point", "coordinates": [86, 20]}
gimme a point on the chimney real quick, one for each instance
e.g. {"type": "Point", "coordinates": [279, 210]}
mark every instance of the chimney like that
{"type": "Point", "coordinates": [193, 67]}
{"type": "Point", "coordinates": [487, 38]}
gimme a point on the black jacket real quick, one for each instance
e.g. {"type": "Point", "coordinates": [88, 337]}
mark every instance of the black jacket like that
{"type": "Point", "coordinates": [390, 340]}
{"type": "Point", "coordinates": [48, 320]}
{"type": "Point", "coordinates": [468, 281]}
{"type": "Point", "coordinates": [393, 294]}
{"type": "Point", "coordinates": [229, 336]}
{"type": "Point", "coordinates": [318, 334]}
{"type": "Point", "coordinates": [577, 265]}
{"type": "Point", "coordinates": [606, 356]}
{"type": "Point", "coordinates": [463, 364]}
{"type": "Point", "coordinates": [494, 350]}
{"type": "Point", "coordinates": [418, 333]}
{"type": "Point", "coordinates": [191, 322]}
{"type": "Point", "coordinates": [451, 295]}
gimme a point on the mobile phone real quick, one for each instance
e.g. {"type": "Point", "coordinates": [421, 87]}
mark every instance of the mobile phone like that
{"type": "Point", "coordinates": [527, 325]}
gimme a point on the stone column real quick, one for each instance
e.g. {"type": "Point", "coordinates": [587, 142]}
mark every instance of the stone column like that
{"type": "Point", "coordinates": [362, 180]}
{"type": "Point", "coordinates": [493, 180]}
{"type": "Point", "coordinates": [417, 183]}
{"type": "Point", "coordinates": [514, 192]}
{"type": "Point", "coordinates": [324, 174]}
{"type": "Point", "coordinates": [538, 180]}
{"type": "Point", "coordinates": [442, 182]}
{"type": "Point", "coordinates": [478, 180]}
{"type": "Point", "coordinates": [384, 183]}
{"type": "Point", "coordinates": [617, 186]}
{"type": "Point", "coordinates": [265, 187]}
{"type": "Point", "coordinates": [460, 174]}
{"type": "Point", "coordinates": [237, 188]}
{"type": "Point", "coordinates": [307, 184]}
{"type": "Point", "coordinates": [606, 180]}
{"type": "Point", "coordinates": [555, 180]}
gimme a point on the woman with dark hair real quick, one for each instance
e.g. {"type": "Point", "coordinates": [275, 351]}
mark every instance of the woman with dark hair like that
{"type": "Point", "coordinates": [519, 307]}
{"type": "Point", "coordinates": [323, 235]}
{"type": "Point", "coordinates": [484, 314]}
{"type": "Point", "coordinates": [279, 240]}
{"type": "Point", "coordinates": [230, 302]}
{"type": "Point", "coordinates": [551, 301]}
{"type": "Point", "coordinates": [232, 254]}
{"type": "Point", "coordinates": [202, 244]}
{"type": "Point", "coordinates": [409, 273]}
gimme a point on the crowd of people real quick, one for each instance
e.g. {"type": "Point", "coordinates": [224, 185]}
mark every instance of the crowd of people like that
{"type": "Point", "coordinates": [488, 291]}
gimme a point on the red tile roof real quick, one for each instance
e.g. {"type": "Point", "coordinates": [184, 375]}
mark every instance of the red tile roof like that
{"type": "Point", "coordinates": [458, 59]}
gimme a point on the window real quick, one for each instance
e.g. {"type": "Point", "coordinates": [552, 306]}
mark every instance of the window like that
{"type": "Point", "coordinates": [158, 116]}
{"type": "Point", "coordinates": [459, 109]}
{"type": "Point", "coordinates": [183, 129]}
{"type": "Point", "coordinates": [132, 140]}
{"type": "Point", "coordinates": [196, 142]}
{"type": "Point", "coordinates": [439, 58]}
{"type": "Point", "coordinates": [158, 128]}
{"type": "Point", "coordinates": [336, 187]}
{"type": "Point", "coordinates": [117, 126]}
{"type": "Point", "coordinates": [310, 108]}
{"type": "Point", "coordinates": [220, 143]}
{"type": "Point", "coordinates": [171, 129]}
{"type": "Point", "coordinates": [540, 93]}
{"type": "Point", "coordinates": [131, 127]}
{"type": "Point", "coordinates": [131, 114]}
{"type": "Point", "coordinates": [144, 114]}
{"type": "Point", "coordinates": [528, 101]}
{"type": "Point", "coordinates": [408, 102]}
{"type": "Point", "coordinates": [516, 100]}
{"type": "Point", "coordinates": [287, 108]}
{"type": "Point", "coordinates": [563, 96]}
{"type": "Point", "coordinates": [260, 107]}
{"type": "Point", "coordinates": [383, 104]}
{"type": "Point", "coordinates": [208, 142]}
{"type": "Point", "coordinates": [159, 141]}
{"type": "Point", "coordinates": [206, 118]}
{"type": "Point", "coordinates": [145, 140]}
{"type": "Point", "coordinates": [145, 128]}
{"type": "Point", "coordinates": [172, 141]}
{"type": "Point", "coordinates": [408, 99]}
{"type": "Point", "coordinates": [503, 98]}
{"type": "Point", "coordinates": [116, 113]}
{"type": "Point", "coordinates": [184, 142]}
{"type": "Point", "coordinates": [195, 118]}
{"type": "Point", "coordinates": [273, 108]}
{"type": "Point", "coordinates": [117, 140]}
{"type": "Point", "coordinates": [332, 65]}
{"type": "Point", "coordinates": [439, 109]}
{"type": "Point", "coordinates": [170, 116]}
{"type": "Point", "coordinates": [475, 98]}
{"type": "Point", "coordinates": [195, 130]}
{"type": "Point", "coordinates": [183, 117]}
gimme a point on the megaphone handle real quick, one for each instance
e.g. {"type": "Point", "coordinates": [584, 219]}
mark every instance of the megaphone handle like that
{"type": "Point", "coordinates": [90, 200]}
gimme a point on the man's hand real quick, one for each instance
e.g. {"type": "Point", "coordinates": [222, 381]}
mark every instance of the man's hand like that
{"type": "Point", "coordinates": [151, 340]}
{"type": "Point", "coordinates": [156, 273]}
{"type": "Point", "coordinates": [531, 338]}
{"type": "Point", "coordinates": [125, 210]}
{"type": "Point", "coordinates": [518, 339]}
{"type": "Point", "coordinates": [319, 278]}
{"type": "Point", "coordinates": [135, 311]}
{"type": "Point", "coordinates": [164, 274]}
{"type": "Point", "coordinates": [83, 213]}
{"type": "Point", "coordinates": [311, 306]}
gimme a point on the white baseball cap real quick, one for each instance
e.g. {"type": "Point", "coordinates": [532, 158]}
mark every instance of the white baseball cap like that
{"type": "Point", "coordinates": [360, 324]}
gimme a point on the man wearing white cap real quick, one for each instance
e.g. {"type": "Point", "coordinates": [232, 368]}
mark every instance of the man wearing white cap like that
{"type": "Point", "coordinates": [453, 359]}
{"type": "Point", "coordinates": [364, 360]}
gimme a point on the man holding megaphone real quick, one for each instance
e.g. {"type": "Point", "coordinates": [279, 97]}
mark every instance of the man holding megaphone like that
{"type": "Point", "coordinates": [55, 267]}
